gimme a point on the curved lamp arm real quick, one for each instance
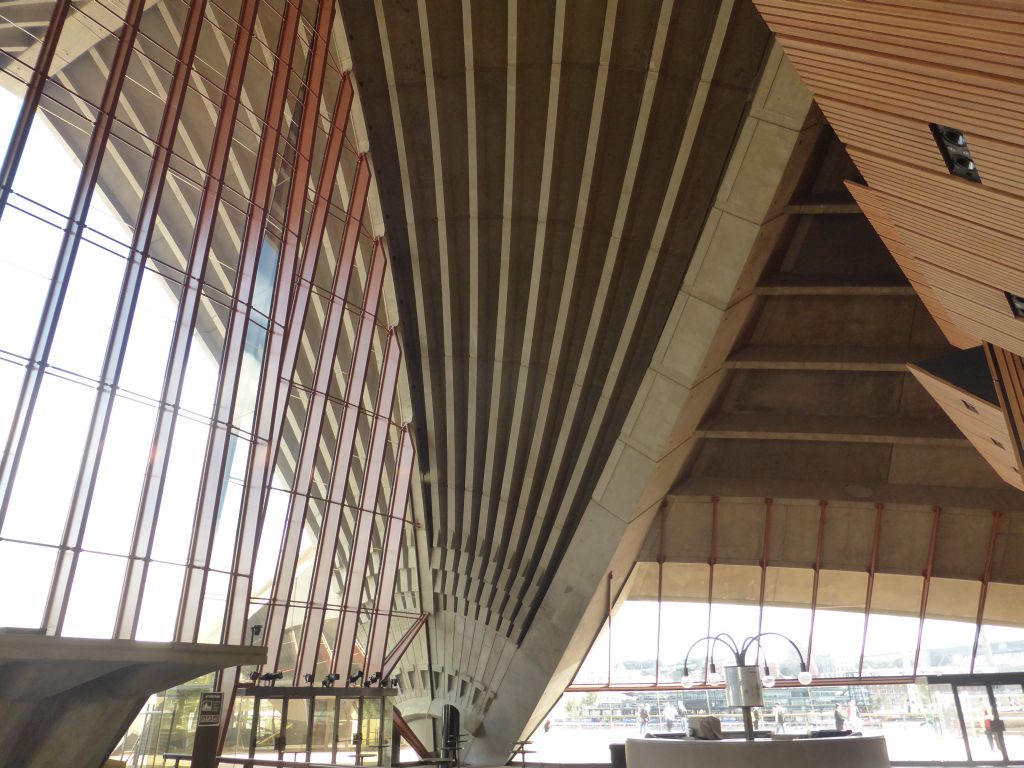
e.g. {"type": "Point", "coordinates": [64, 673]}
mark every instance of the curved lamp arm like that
{"type": "Point", "coordinates": [722, 637]}
{"type": "Point", "coordinates": [757, 639]}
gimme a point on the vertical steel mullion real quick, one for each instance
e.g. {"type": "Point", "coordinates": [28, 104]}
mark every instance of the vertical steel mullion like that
{"type": "Point", "coordinates": [360, 551]}
{"type": "Point", "coordinates": [712, 558]}
{"type": "Point", "coordinates": [65, 260]}
{"type": "Point", "coordinates": [929, 568]}
{"type": "Point", "coordinates": [213, 486]}
{"type": "Point", "coordinates": [185, 320]}
{"type": "Point", "coordinates": [608, 618]}
{"type": "Point", "coordinates": [327, 545]}
{"type": "Point", "coordinates": [764, 565]}
{"type": "Point", "coordinates": [983, 593]}
{"type": "Point", "coordinates": [661, 568]}
{"type": "Point", "coordinates": [121, 326]}
{"type": "Point", "coordinates": [288, 560]}
{"type": "Point", "coordinates": [272, 410]}
{"type": "Point", "coordinates": [822, 508]}
{"type": "Point", "coordinates": [33, 93]}
{"type": "Point", "coordinates": [397, 511]}
{"type": "Point", "coordinates": [872, 567]}
{"type": "Point", "coordinates": [963, 723]}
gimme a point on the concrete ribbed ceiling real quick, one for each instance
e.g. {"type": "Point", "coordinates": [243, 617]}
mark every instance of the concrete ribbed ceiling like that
{"type": "Point", "coordinates": [545, 170]}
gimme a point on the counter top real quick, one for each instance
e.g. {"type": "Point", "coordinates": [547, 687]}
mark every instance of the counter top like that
{"type": "Point", "coordinates": [838, 752]}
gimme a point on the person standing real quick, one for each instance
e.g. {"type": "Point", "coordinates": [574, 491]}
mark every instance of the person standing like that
{"type": "Point", "coordinates": [780, 719]}
{"type": "Point", "coordinates": [987, 723]}
{"type": "Point", "coordinates": [840, 720]}
{"type": "Point", "coordinates": [644, 717]}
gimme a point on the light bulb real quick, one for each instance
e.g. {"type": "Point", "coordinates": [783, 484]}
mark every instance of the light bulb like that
{"type": "Point", "coordinates": [687, 682]}
{"type": "Point", "coordinates": [713, 678]}
{"type": "Point", "coordinates": [768, 681]}
{"type": "Point", "coordinates": [804, 678]}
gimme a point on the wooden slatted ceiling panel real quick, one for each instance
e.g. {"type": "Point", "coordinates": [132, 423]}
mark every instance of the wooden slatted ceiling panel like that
{"type": "Point", "coordinates": [882, 71]}
{"type": "Point", "coordinates": [1007, 371]}
{"type": "Point", "coordinates": [982, 426]}
{"type": "Point", "coordinates": [875, 210]}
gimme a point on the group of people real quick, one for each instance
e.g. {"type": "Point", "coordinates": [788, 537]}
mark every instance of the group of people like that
{"type": "Point", "coordinates": [848, 717]}
{"type": "Point", "coordinates": [670, 714]}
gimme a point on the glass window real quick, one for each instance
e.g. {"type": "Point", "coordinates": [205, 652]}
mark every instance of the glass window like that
{"type": "Point", "coordinates": [372, 732]}
{"type": "Point", "coordinates": [839, 623]}
{"type": "Point", "coordinates": [30, 568]}
{"type": "Point", "coordinates": [150, 338]}
{"type": "Point", "coordinates": [348, 731]}
{"type": "Point", "coordinates": [45, 150]}
{"type": "Point", "coordinates": [634, 644]}
{"type": "Point", "coordinates": [214, 604]}
{"type": "Point", "coordinates": [246, 394]}
{"type": "Point", "coordinates": [1001, 640]}
{"type": "Point", "coordinates": [947, 642]}
{"type": "Point", "coordinates": [122, 472]}
{"type": "Point", "coordinates": [239, 728]}
{"type": "Point", "coordinates": [95, 594]}
{"type": "Point", "coordinates": [83, 330]}
{"type": "Point", "coordinates": [322, 742]}
{"type": "Point", "coordinates": [50, 462]}
{"type": "Point", "coordinates": [787, 600]}
{"type": "Point", "coordinates": [270, 543]}
{"type": "Point", "coordinates": [199, 388]}
{"type": "Point", "coordinates": [270, 726]}
{"type": "Point", "coordinates": [297, 730]}
{"type": "Point", "coordinates": [26, 265]}
{"type": "Point", "coordinates": [11, 377]}
{"type": "Point", "coordinates": [894, 625]}
{"type": "Point", "coordinates": [181, 488]}
{"type": "Point", "coordinates": [159, 602]}
{"type": "Point", "coordinates": [595, 668]}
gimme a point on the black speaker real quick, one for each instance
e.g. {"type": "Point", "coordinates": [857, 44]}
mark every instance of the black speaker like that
{"type": "Point", "coordinates": [952, 143]}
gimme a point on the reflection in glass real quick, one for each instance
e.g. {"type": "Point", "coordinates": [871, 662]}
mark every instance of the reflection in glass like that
{"type": "Point", "coordinates": [269, 736]}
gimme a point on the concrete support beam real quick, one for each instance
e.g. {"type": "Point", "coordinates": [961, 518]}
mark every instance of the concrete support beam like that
{"type": "Point", "coordinates": [709, 313]}
{"type": "Point", "coordinates": [67, 701]}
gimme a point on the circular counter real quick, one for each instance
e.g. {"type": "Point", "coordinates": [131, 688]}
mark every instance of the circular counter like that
{"type": "Point", "coordinates": [841, 752]}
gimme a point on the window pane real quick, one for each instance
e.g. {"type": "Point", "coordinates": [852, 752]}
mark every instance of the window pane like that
{"type": "Point", "coordinates": [31, 569]}
{"type": "Point", "coordinates": [149, 342]}
{"type": "Point", "coordinates": [84, 326]}
{"type": "Point", "coordinates": [122, 471]}
{"type": "Point", "coordinates": [92, 608]}
{"type": "Point", "coordinates": [1001, 642]}
{"type": "Point", "coordinates": [11, 376]}
{"type": "Point", "coordinates": [947, 642]}
{"type": "Point", "coordinates": [50, 462]}
{"type": "Point", "coordinates": [214, 603]}
{"type": "Point", "coordinates": [181, 489]}
{"type": "Point", "coordinates": [26, 264]}
{"type": "Point", "coordinates": [249, 377]}
{"type": "Point", "coordinates": [160, 602]}
{"type": "Point", "coordinates": [894, 625]}
{"type": "Point", "coordinates": [839, 623]}
{"type": "Point", "coordinates": [200, 386]}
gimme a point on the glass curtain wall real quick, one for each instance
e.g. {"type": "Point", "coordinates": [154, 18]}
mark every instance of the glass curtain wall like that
{"type": "Point", "coordinates": [867, 635]}
{"type": "Point", "coordinates": [198, 374]}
